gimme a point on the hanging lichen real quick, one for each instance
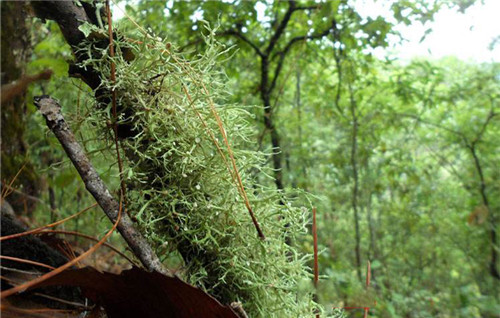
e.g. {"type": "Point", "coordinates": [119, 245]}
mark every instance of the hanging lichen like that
{"type": "Point", "coordinates": [182, 188]}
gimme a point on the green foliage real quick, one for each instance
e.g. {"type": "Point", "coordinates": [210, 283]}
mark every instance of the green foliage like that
{"type": "Point", "coordinates": [422, 221]}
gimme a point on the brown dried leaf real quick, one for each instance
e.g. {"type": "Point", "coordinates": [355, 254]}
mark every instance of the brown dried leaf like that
{"type": "Point", "coordinates": [138, 293]}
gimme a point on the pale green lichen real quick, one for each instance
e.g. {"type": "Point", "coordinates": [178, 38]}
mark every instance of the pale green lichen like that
{"type": "Point", "coordinates": [180, 189]}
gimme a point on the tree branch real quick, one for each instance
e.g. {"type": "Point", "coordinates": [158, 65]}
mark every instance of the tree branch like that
{"type": "Point", "coordinates": [69, 17]}
{"type": "Point", "coordinates": [471, 146]}
{"type": "Point", "coordinates": [423, 121]}
{"type": "Point", "coordinates": [337, 56]}
{"type": "Point", "coordinates": [240, 35]}
{"type": "Point", "coordinates": [355, 187]}
{"type": "Point", "coordinates": [484, 196]}
{"type": "Point", "coordinates": [289, 45]}
{"type": "Point", "coordinates": [11, 90]}
{"type": "Point", "coordinates": [483, 128]}
{"type": "Point", "coordinates": [281, 28]}
{"type": "Point", "coordinates": [308, 8]}
{"type": "Point", "coordinates": [51, 110]}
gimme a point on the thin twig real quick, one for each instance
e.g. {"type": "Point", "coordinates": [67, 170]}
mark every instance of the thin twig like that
{"type": "Point", "coordinates": [67, 302]}
{"type": "Point", "coordinates": [242, 37]}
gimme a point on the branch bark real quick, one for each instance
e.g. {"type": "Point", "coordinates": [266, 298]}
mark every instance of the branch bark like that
{"type": "Point", "coordinates": [69, 17]}
{"type": "Point", "coordinates": [51, 110]}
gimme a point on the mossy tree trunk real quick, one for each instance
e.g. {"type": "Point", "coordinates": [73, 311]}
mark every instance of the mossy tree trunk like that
{"type": "Point", "coordinates": [16, 51]}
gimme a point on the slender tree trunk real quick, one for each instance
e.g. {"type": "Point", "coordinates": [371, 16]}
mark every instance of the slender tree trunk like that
{"type": "Point", "coordinates": [355, 188]}
{"type": "Point", "coordinates": [299, 106]}
{"type": "Point", "coordinates": [265, 94]}
{"type": "Point", "coordinates": [267, 85]}
{"type": "Point", "coordinates": [298, 102]}
{"type": "Point", "coordinates": [493, 233]}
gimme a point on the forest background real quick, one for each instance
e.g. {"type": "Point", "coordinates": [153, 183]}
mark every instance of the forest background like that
{"type": "Point", "coordinates": [400, 158]}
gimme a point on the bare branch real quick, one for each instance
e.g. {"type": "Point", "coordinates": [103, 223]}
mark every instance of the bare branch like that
{"type": "Point", "coordinates": [69, 16]}
{"type": "Point", "coordinates": [281, 28]}
{"type": "Point", "coordinates": [308, 8]}
{"type": "Point", "coordinates": [423, 121]}
{"type": "Point", "coordinates": [289, 45]}
{"type": "Point", "coordinates": [242, 37]}
{"type": "Point", "coordinates": [11, 90]}
{"type": "Point", "coordinates": [51, 110]}
{"type": "Point", "coordinates": [483, 128]}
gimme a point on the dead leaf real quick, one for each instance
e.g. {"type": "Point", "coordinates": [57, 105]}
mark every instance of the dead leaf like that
{"type": "Point", "coordinates": [138, 293]}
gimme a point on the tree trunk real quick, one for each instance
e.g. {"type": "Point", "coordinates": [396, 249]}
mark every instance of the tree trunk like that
{"type": "Point", "coordinates": [16, 51]}
{"type": "Point", "coordinates": [299, 119]}
{"type": "Point", "coordinates": [355, 188]}
{"type": "Point", "coordinates": [493, 233]}
{"type": "Point", "coordinates": [269, 123]}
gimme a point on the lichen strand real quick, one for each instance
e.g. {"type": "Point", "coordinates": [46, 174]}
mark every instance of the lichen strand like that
{"type": "Point", "coordinates": [182, 193]}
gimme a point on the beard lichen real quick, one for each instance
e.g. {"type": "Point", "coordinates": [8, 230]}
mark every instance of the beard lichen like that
{"type": "Point", "coordinates": [183, 193]}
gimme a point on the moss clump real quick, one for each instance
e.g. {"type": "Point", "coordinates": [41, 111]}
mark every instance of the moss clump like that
{"type": "Point", "coordinates": [181, 189]}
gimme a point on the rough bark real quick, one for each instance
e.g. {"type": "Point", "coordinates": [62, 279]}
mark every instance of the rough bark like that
{"type": "Point", "coordinates": [69, 17]}
{"type": "Point", "coordinates": [16, 51]}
